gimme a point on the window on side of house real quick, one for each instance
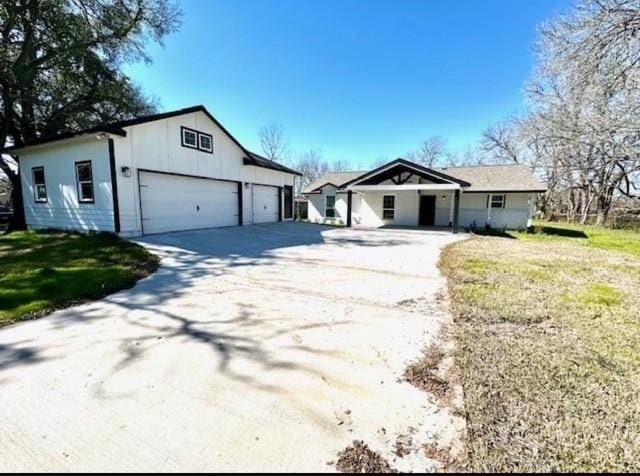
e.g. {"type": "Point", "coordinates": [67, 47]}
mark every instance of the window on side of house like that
{"type": "Point", "coordinates": [330, 206]}
{"type": "Point", "coordinates": [189, 138]}
{"type": "Point", "coordinates": [497, 201]}
{"type": "Point", "coordinates": [39, 184]}
{"type": "Point", "coordinates": [84, 177]}
{"type": "Point", "coordinates": [205, 142]}
{"type": "Point", "coordinates": [388, 207]}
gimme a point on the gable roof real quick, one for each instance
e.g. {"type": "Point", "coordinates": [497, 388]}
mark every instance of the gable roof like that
{"type": "Point", "coordinates": [497, 178]}
{"type": "Point", "coordinates": [117, 128]}
{"type": "Point", "coordinates": [476, 178]}
{"type": "Point", "coordinates": [411, 165]}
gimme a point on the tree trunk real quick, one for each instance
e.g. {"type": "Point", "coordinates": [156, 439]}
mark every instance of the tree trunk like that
{"type": "Point", "coordinates": [18, 221]}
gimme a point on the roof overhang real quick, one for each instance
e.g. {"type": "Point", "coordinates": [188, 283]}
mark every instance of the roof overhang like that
{"type": "Point", "coordinates": [404, 188]}
{"type": "Point", "coordinates": [95, 133]}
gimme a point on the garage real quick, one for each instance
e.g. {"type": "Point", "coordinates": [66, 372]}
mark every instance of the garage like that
{"type": "Point", "coordinates": [266, 203]}
{"type": "Point", "coordinates": [171, 202]}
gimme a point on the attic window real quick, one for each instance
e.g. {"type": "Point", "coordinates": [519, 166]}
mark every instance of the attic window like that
{"type": "Point", "coordinates": [206, 142]}
{"type": "Point", "coordinates": [193, 139]}
{"type": "Point", "coordinates": [189, 138]}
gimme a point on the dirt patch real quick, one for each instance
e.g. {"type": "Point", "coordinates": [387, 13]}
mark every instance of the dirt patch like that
{"type": "Point", "coordinates": [359, 458]}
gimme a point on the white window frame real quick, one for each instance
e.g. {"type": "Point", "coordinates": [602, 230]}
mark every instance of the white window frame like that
{"type": "Point", "coordinates": [200, 146]}
{"type": "Point", "coordinates": [79, 183]}
{"type": "Point", "coordinates": [499, 204]}
{"type": "Point", "coordinates": [36, 185]}
{"type": "Point", "coordinates": [386, 209]}
{"type": "Point", "coordinates": [184, 132]}
{"type": "Point", "coordinates": [326, 207]}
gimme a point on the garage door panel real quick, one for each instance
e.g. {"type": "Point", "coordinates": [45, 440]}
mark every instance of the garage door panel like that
{"type": "Point", "coordinates": [175, 203]}
{"type": "Point", "coordinates": [265, 204]}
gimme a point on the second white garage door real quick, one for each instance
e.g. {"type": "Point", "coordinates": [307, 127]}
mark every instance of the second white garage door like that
{"type": "Point", "coordinates": [265, 204]}
{"type": "Point", "coordinates": [176, 203]}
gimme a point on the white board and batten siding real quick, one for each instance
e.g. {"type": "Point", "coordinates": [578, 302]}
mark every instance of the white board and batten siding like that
{"type": "Point", "coordinates": [63, 209]}
{"type": "Point", "coordinates": [169, 199]}
{"type": "Point", "coordinates": [157, 146]}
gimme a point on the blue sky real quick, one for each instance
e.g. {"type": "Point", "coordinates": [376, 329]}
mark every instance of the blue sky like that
{"type": "Point", "coordinates": [354, 79]}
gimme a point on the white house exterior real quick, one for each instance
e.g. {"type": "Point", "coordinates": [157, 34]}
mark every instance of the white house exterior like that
{"type": "Point", "coordinates": [402, 193]}
{"type": "Point", "coordinates": [175, 171]}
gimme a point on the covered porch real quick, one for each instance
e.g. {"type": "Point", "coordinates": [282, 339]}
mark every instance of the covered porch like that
{"type": "Point", "coordinates": [403, 194]}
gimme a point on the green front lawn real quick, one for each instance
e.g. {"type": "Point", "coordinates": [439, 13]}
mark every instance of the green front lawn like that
{"type": "Point", "coordinates": [42, 271]}
{"type": "Point", "coordinates": [627, 241]}
{"type": "Point", "coordinates": [548, 327]}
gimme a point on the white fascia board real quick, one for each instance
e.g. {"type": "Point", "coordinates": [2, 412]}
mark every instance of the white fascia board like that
{"type": "Point", "coordinates": [406, 187]}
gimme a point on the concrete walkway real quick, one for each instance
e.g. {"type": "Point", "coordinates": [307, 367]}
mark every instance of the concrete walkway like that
{"type": "Point", "coordinates": [261, 348]}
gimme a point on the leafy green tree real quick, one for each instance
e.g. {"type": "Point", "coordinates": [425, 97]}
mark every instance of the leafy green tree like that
{"type": "Point", "coordinates": [61, 67]}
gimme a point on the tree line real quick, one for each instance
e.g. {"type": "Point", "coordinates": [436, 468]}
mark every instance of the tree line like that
{"type": "Point", "coordinates": [61, 68]}
{"type": "Point", "coordinates": [579, 129]}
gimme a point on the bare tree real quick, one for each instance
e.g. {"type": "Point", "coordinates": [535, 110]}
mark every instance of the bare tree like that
{"type": "Point", "coordinates": [273, 142]}
{"type": "Point", "coordinates": [340, 166]}
{"type": "Point", "coordinates": [430, 151]}
{"type": "Point", "coordinates": [311, 165]}
{"type": "Point", "coordinates": [502, 142]}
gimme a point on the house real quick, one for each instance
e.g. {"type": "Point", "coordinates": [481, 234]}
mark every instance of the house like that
{"type": "Point", "coordinates": [179, 170]}
{"type": "Point", "coordinates": [404, 193]}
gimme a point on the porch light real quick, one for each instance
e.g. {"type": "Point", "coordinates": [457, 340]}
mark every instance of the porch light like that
{"type": "Point", "coordinates": [444, 198]}
{"type": "Point", "coordinates": [126, 171]}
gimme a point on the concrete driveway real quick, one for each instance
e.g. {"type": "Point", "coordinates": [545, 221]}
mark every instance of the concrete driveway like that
{"type": "Point", "coordinates": [266, 348]}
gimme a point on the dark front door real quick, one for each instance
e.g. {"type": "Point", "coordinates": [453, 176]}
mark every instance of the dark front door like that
{"type": "Point", "coordinates": [427, 210]}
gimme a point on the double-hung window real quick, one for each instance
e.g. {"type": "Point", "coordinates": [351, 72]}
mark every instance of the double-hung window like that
{"type": "Point", "coordinates": [330, 206]}
{"type": "Point", "coordinates": [388, 207]}
{"type": "Point", "coordinates": [497, 201]}
{"type": "Point", "coordinates": [84, 178]}
{"type": "Point", "coordinates": [39, 184]}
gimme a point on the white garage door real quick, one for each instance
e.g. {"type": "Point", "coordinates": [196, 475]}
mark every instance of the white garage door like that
{"type": "Point", "coordinates": [176, 203]}
{"type": "Point", "coordinates": [265, 204]}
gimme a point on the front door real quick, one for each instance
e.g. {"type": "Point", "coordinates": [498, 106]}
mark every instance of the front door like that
{"type": "Point", "coordinates": [427, 210]}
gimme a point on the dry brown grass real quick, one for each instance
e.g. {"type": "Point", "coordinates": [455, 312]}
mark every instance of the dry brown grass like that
{"type": "Point", "coordinates": [549, 354]}
{"type": "Point", "coordinates": [359, 458]}
{"type": "Point", "coordinates": [427, 375]}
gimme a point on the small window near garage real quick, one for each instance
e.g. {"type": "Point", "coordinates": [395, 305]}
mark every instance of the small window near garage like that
{"type": "Point", "coordinates": [205, 142]}
{"type": "Point", "coordinates": [40, 187]}
{"type": "Point", "coordinates": [189, 138]}
{"type": "Point", "coordinates": [388, 207]}
{"type": "Point", "coordinates": [84, 177]}
{"type": "Point", "coordinates": [497, 201]}
{"type": "Point", "coordinates": [330, 206]}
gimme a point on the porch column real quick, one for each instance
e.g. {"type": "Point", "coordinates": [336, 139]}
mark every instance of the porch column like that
{"type": "Point", "coordinates": [456, 210]}
{"type": "Point", "coordinates": [349, 199]}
